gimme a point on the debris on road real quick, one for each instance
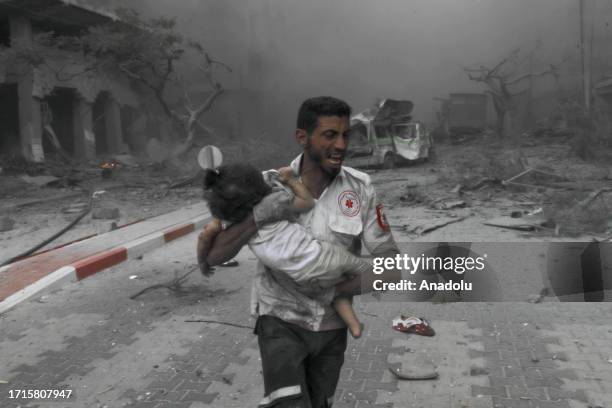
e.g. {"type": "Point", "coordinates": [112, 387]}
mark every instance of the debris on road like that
{"type": "Point", "coordinates": [50, 239]}
{"type": "Point", "coordinates": [521, 224]}
{"type": "Point", "coordinates": [413, 374]}
{"type": "Point", "coordinates": [591, 197]}
{"type": "Point", "coordinates": [449, 205]}
{"type": "Point", "coordinates": [186, 181]}
{"type": "Point", "coordinates": [411, 324]}
{"type": "Point", "coordinates": [175, 285]}
{"type": "Point", "coordinates": [436, 224]}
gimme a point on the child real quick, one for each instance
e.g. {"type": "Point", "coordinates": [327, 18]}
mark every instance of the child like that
{"type": "Point", "coordinates": [233, 190]}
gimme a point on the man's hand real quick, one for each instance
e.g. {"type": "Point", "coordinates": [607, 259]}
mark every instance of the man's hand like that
{"type": "Point", "coordinates": [205, 240]}
{"type": "Point", "coordinates": [274, 207]}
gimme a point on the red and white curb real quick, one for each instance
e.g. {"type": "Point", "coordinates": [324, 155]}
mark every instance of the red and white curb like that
{"type": "Point", "coordinates": [93, 264]}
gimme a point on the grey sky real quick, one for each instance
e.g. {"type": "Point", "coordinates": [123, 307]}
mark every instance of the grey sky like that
{"type": "Point", "coordinates": [361, 50]}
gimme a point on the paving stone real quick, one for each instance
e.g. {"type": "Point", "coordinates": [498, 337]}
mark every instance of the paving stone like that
{"type": "Point", "coordinates": [499, 391]}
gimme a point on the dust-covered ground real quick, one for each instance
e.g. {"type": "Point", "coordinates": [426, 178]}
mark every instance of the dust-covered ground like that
{"type": "Point", "coordinates": [448, 198]}
{"type": "Point", "coordinates": [31, 213]}
{"type": "Point", "coordinates": [557, 197]}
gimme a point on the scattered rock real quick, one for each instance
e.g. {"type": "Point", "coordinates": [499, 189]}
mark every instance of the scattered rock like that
{"type": "Point", "coordinates": [448, 205]}
{"type": "Point", "coordinates": [6, 224]}
{"type": "Point", "coordinates": [105, 213]}
{"type": "Point", "coordinates": [521, 224]}
{"type": "Point", "coordinates": [457, 189]}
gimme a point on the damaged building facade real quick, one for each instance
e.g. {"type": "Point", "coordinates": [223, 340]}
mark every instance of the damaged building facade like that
{"type": "Point", "coordinates": [59, 105]}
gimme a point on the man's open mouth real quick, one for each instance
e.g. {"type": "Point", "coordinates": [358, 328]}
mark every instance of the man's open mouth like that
{"type": "Point", "coordinates": [335, 159]}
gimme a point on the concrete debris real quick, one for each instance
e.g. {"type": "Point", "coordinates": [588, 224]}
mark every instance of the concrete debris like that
{"type": "Point", "coordinates": [448, 205]}
{"type": "Point", "coordinates": [6, 224]}
{"type": "Point", "coordinates": [436, 224]}
{"type": "Point", "coordinates": [457, 189]}
{"type": "Point", "coordinates": [521, 224]}
{"type": "Point", "coordinates": [414, 373]}
{"type": "Point", "coordinates": [39, 181]}
{"type": "Point", "coordinates": [105, 213]}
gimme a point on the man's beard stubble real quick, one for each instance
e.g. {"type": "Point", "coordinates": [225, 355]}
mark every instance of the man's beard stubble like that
{"type": "Point", "coordinates": [317, 159]}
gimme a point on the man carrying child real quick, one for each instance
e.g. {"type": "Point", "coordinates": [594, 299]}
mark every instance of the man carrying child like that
{"type": "Point", "coordinates": [302, 339]}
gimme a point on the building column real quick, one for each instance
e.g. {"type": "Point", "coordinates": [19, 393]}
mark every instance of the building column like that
{"type": "Point", "coordinates": [84, 137]}
{"type": "Point", "coordinates": [112, 118]}
{"type": "Point", "coordinates": [30, 127]}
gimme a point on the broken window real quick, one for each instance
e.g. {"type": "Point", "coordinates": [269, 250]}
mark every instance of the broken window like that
{"type": "Point", "coordinates": [359, 135]}
{"type": "Point", "coordinates": [407, 131]}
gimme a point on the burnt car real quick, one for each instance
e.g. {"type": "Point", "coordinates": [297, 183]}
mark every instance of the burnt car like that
{"type": "Point", "coordinates": [387, 136]}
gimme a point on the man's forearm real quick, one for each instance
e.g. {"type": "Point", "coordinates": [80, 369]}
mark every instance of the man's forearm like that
{"type": "Point", "coordinates": [364, 282]}
{"type": "Point", "coordinates": [229, 242]}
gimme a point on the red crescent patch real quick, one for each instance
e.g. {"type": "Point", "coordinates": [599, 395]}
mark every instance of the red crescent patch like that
{"type": "Point", "coordinates": [349, 203]}
{"type": "Point", "coordinates": [381, 218]}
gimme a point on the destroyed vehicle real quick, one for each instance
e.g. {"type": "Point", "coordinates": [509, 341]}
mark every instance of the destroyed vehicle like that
{"type": "Point", "coordinates": [387, 136]}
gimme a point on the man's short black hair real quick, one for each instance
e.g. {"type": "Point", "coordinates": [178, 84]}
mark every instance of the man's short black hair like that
{"type": "Point", "coordinates": [313, 108]}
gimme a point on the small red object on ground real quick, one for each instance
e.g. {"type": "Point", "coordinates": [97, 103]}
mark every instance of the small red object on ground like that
{"type": "Point", "coordinates": [411, 324]}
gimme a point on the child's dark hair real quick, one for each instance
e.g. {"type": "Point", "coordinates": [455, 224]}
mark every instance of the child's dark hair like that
{"type": "Point", "coordinates": [233, 190]}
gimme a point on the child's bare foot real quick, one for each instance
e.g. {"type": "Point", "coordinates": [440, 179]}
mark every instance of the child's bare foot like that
{"type": "Point", "coordinates": [356, 329]}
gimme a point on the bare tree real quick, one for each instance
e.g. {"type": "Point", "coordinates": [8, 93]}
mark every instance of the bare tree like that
{"type": "Point", "coordinates": [148, 52]}
{"type": "Point", "coordinates": [502, 80]}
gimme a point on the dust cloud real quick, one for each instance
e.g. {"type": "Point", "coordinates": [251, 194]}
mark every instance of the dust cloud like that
{"type": "Point", "coordinates": [286, 50]}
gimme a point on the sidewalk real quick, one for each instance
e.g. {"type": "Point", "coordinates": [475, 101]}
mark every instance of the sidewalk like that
{"type": "Point", "coordinates": [22, 279]}
{"type": "Point", "coordinates": [115, 352]}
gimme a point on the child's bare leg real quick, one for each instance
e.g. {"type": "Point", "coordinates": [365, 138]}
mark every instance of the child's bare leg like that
{"type": "Point", "coordinates": [205, 240]}
{"type": "Point", "coordinates": [345, 309]}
